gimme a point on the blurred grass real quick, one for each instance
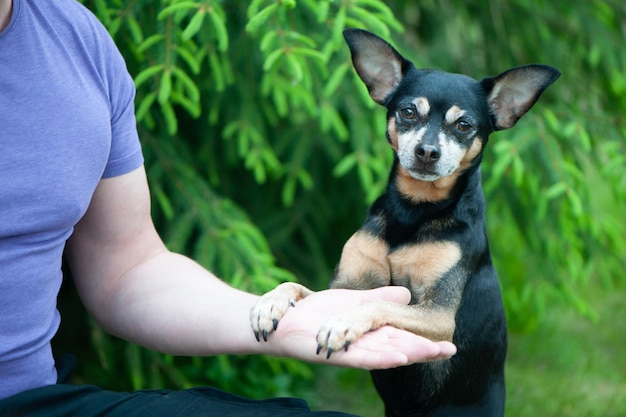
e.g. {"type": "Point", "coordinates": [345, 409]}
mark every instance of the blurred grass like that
{"type": "Point", "coordinates": [568, 367]}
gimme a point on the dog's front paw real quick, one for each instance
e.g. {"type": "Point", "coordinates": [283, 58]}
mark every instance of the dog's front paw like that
{"type": "Point", "coordinates": [338, 333]}
{"type": "Point", "coordinates": [271, 307]}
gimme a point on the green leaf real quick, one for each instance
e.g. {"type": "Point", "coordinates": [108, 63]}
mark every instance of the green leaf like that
{"type": "Point", "coordinates": [113, 26]}
{"type": "Point", "coordinates": [575, 203]}
{"type": "Point", "coordinates": [103, 12]}
{"type": "Point", "coordinates": [340, 128]}
{"type": "Point", "coordinates": [551, 120]}
{"type": "Point", "coordinates": [217, 73]}
{"type": "Point", "coordinates": [271, 58]}
{"type": "Point", "coordinates": [191, 59]}
{"type": "Point", "coordinates": [260, 18]}
{"type": "Point", "coordinates": [306, 180]}
{"type": "Point", "coordinates": [143, 76]}
{"type": "Point", "coordinates": [322, 9]}
{"type": "Point", "coordinates": [377, 5]}
{"type": "Point", "coordinates": [268, 40]}
{"type": "Point", "coordinates": [220, 31]}
{"type": "Point", "coordinates": [165, 86]}
{"type": "Point", "coordinates": [384, 12]}
{"type": "Point", "coordinates": [345, 165]}
{"type": "Point", "coordinates": [169, 10]}
{"type": "Point", "coordinates": [192, 107]}
{"type": "Point", "coordinates": [372, 21]}
{"type": "Point", "coordinates": [556, 190]}
{"type": "Point", "coordinates": [171, 122]}
{"type": "Point", "coordinates": [295, 67]}
{"type": "Point", "coordinates": [150, 41]}
{"type": "Point", "coordinates": [164, 202]}
{"type": "Point", "coordinates": [289, 191]}
{"type": "Point", "coordinates": [190, 86]}
{"type": "Point", "coordinates": [311, 53]}
{"type": "Point", "coordinates": [194, 24]}
{"type": "Point", "coordinates": [339, 24]}
{"type": "Point", "coordinates": [135, 29]}
{"type": "Point", "coordinates": [254, 7]}
{"type": "Point", "coordinates": [300, 38]}
{"type": "Point", "coordinates": [144, 106]}
{"type": "Point", "coordinates": [335, 80]}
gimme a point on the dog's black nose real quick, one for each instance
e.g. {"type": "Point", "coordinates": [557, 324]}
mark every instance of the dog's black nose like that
{"type": "Point", "coordinates": [427, 153]}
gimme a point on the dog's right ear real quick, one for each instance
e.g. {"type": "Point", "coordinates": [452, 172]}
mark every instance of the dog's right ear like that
{"type": "Point", "coordinates": [511, 94]}
{"type": "Point", "coordinates": [377, 63]}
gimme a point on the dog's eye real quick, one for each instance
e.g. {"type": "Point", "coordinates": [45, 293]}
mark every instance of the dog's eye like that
{"type": "Point", "coordinates": [407, 113]}
{"type": "Point", "coordinates": [463, 126]}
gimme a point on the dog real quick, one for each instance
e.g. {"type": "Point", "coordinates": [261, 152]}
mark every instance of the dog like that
{"type": "Point", "coordinates": [427, 233]}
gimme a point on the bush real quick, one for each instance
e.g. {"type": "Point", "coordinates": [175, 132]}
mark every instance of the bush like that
{"type": "Point", "coordinates": [263, 149]}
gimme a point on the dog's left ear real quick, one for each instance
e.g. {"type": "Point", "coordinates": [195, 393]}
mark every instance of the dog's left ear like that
{"type": "Point", "coordinates": [511, 94]}
{"type": "Point", "coordinates": [377, 63]}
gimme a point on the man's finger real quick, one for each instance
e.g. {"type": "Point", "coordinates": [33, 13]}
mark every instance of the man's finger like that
{"type": "Point", "coordinates": [394, 294]}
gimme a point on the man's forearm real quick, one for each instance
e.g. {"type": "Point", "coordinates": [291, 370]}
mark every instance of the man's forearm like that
{"type": "Point", "coordinates": [171, 304]}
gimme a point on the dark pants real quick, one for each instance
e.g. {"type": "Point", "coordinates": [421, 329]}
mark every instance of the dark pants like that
{"type": "Point", "coordinates": [65, 400]}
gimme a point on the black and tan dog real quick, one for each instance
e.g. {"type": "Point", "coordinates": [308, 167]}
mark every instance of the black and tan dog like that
{"type": "Point", "coordinates": [427, 233]}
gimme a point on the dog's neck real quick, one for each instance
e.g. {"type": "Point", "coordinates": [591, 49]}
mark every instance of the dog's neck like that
{"type": "Point", "coordinates": [412, 212]}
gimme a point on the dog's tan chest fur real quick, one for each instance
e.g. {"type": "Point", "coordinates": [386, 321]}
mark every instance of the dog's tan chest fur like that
{"type": "Point", "coordinates": [366, 262]}
{"type": "Point", "coordinates": [363, 264]}
{"type": "Point", "coordinates": [419, 267]}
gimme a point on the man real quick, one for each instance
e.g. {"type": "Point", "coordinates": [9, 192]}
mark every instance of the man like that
{"type": "Point", "coordinates": [71, 172]}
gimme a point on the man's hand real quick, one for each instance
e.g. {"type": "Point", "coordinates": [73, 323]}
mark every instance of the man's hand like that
{"type": "Point", "coordinates": [386, 347]}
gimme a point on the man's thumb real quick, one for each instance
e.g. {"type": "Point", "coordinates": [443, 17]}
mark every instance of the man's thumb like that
{"type": "Point", "coordinates": [394, 294]}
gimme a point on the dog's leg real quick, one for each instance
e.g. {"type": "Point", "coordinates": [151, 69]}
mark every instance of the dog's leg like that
{"type": "Point", "coordinates": [364, 264]}
{"type": "Point", "coordinates": [433, 322]}
{"type": "Point", "coordinates": [271, 307]}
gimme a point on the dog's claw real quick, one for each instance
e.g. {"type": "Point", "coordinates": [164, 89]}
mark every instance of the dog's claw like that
{"type": "Point", "coordinates": [264, 335]}
{"type": "Point", "coordinates": [256, 334]}
{"type": "Point", "coordinates": [319, 349]}
{"type": "Point", "coordinates": [346, 346]}
{"type": "Point", "coordinates": [275, 322]}
{"type": "Point", "coordinates": [292, 303]}
{"type": "Point", "coordinates": [330, 352]}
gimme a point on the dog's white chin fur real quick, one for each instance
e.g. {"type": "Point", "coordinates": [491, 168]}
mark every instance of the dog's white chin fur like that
{"type": "Point", "coordinates": [428, 176]}
{"type": "Point", "coordinates": [424, 177]}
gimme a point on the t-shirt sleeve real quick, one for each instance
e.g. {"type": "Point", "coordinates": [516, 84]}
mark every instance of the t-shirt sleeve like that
{"type": "Point", "coordinates": [125, 155]}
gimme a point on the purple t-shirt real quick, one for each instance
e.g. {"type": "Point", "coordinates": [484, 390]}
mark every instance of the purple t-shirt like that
{"type": "Point", "coordinates": [66, 121]}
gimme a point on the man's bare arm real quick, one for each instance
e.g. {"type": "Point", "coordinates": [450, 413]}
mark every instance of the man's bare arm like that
{"type": "Point", "coordinates": [138, 290]}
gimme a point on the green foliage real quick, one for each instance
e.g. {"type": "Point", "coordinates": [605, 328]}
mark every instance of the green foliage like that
{"type": "Point", "coordinates": [263, 149]}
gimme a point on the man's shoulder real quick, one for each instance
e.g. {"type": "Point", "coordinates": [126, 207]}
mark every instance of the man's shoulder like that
{"type": "Point", "coordinates": [67, 20]}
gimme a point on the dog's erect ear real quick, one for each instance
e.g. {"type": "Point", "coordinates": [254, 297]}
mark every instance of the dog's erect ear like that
{"type": "Point", "coordinates": [511, 94]}
{"type": "Point", "coordinates": [378, 64]}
